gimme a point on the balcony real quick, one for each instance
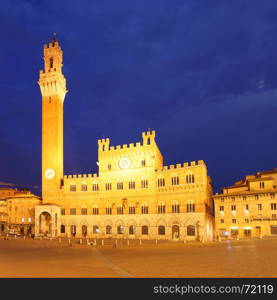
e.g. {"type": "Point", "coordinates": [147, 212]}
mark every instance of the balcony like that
{"type": "Point", "coordinates": [260, 218]}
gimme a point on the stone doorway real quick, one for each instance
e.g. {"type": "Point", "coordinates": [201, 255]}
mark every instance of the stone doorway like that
{"type": "Point", "coordinates": [73, 230]}
{"type": "Point", "coordinates": [175, 232]}
{"type": "Point", "coordinates": [47, 220]}
{"type": "Point", "coordinates": [84, 230]}
{"type": "Point", "coordinates": [247, 233]}
{"type": "Point", "coordinates": [45, 224]}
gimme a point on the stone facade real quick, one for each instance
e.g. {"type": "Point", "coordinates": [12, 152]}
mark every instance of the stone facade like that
{"type": "Point", "coordinates": [248, 208]}
{"type": "Point", "coordinates": [47, 219]}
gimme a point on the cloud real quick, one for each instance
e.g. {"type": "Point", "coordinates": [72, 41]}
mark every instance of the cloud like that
{"type": "Point", "coordinates": [6, 183]}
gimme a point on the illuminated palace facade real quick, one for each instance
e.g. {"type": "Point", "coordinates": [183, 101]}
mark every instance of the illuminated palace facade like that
{"type": "Point", "coordinates": [133, 195]}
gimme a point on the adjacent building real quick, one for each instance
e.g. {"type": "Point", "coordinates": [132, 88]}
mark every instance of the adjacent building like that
{"type": "Point", "coordinates": [17, 211]}
{"type": "Point", "coordinates": [248, 208]}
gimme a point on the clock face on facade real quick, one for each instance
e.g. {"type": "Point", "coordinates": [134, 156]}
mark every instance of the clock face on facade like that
{"type": "Point", "coordinates": [125, 163]}
{"type": "Point", "coordinates": [49, 173]}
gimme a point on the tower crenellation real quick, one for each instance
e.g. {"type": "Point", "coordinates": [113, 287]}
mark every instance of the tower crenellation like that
{"type": "Point", "coordinates": [138, 153]}
{"type": "Point", "coordinates": [185, 165]}
{"type": "Point", "coordinates": [51, 80]}
{"type": "Point", "coordinates": [53, 57]}
{"type": "Point", "coordinates": [103, 144]}
{"type": "Point", "coordinates": [148, 137]}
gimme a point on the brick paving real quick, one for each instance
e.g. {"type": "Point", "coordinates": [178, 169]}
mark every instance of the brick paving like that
{"type": "Point", "coordinates": [45, 258]}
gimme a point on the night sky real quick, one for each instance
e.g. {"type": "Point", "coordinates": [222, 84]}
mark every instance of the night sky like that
{"type": "Point", "coordinates": [203, 74]}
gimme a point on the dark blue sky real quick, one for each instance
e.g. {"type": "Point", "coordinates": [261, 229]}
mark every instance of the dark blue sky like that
{"type": "Point", "coordinates": [203, 74]}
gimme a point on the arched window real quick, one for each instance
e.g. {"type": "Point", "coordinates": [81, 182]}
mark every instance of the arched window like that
{"type": "Point", "coordinates": [132, 184]}
{"type": "Point", "coordinates": [189, 178]}
{"type": "Point", "coordinates": [95, 229]}
{"type": "Point", "coordinates": [190, 206]}
{"type": "Point", "coordinates": [144, 230]}
{"type": "Point", "coordinates": [175, 207]}
{"type": "Point", "coordinates": [131, 229]}
{"type": "Point", "coordinates": [161, 208]}
{"type": "Point", "coordinates": [95, 186]}
{"type": "Point", "coordinates": [161, 182]}
{"type": "Point", "coordinates": [108, 229]}
{"type": "Point", "coordinates": [119, 209]}
{"type": "Point", "coordinates": [144, 184]}
{"type": "Point", "coordinates": [84, 210]}
{"type": "Point", "coordinates": [144, 208]}
{"type": "Point", "coordinates": [120, 229]}
{"type": "Point", "coordinates": [175, 180]}
{"type": "Point", "coordinates": [161, 230]}
{"type": "Point", "coordinates": [108, 186]}
{"type": "Point", "coordinates": [62, 211]}
{"type": "Point", "coordinates": [132, 209]}
{"type": "Point", "coordinates": [73, 210]}
{"type": "Point", "coordinates": [108, 210]}
{"type": "Point", "coordinates": [72, 187]}
{"type": "Point", "coordinates": [95, 210]}
{"type": "Point", "coordinates": [120, 185]}
{"type": "Point", "coordinates": [84, 187]}
{"type": "Point", "coordinates": [191, 230]}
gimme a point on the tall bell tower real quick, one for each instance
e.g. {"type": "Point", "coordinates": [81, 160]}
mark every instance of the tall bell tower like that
{"type": "Point", "coordinates": [53, 89]}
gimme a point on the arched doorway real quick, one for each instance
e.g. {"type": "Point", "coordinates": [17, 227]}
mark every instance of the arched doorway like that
{"type": "Point", "coordinates": [120, 229]}
{"type": "Point", "coordinates": [95, 229]}
{"type": "Point", "coordinates": [191, 230]}
{"type": "Point", "coordinates": [132, 229]}
{"type": "Point", "coordinates": [161, 230]}
{"type": "Point", "coordinates": [108, 229]}
{"type": "Point", "coordinates": [73, 230]}
{"type": "Point", "coordinates": [144, 230]}
{"type": "Point", "coordinates": [175, 232]}
{"type": "Point", "coordinates": [45, 224]}
{"type": "Point", "coordinates": [84, 230]}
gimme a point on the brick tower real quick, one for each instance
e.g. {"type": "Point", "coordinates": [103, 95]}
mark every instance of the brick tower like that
{"type": "Point", "coordinates": [53, 89]}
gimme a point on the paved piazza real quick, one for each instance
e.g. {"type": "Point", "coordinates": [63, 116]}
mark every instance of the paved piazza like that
{"type": "Point", "coordinates": [44, 258]}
